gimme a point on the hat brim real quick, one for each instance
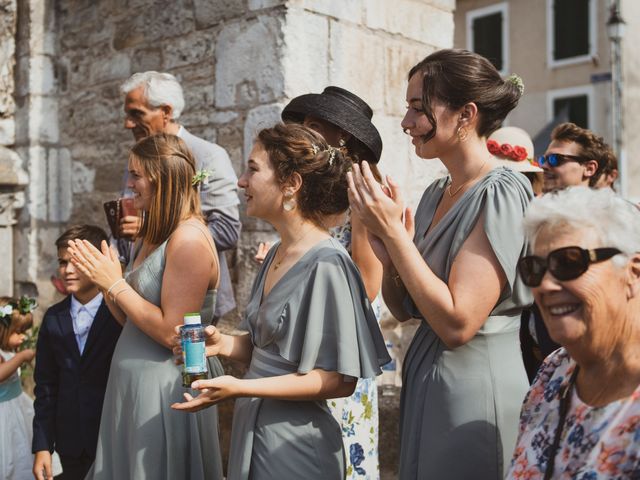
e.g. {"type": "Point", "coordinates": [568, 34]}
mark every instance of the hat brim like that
{"type": "Point", "coordinates": [338, 113]}
{"type": "Point", "coordinates": [519, 166]}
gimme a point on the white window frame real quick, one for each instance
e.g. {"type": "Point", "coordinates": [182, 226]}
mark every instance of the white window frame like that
{"type": "Point", "coordinates": [588, 90]}
{"type": "Point", "coordinates": [502, 8]}
{"type": "Point", "coordinates": [593, 37]}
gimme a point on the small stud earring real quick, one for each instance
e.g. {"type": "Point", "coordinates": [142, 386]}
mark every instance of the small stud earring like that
{"type": "Point", "coordinates": [342, 142]}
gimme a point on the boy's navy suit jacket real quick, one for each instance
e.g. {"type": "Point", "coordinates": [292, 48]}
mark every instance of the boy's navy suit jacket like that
{"type": "Point", "coordinates": [70, 387]}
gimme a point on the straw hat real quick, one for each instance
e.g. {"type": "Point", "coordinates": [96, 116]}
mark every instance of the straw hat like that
{"type": "Point", "coordinates": [513, 148]}
{"type": "Point", "coordinates": [341, 108]}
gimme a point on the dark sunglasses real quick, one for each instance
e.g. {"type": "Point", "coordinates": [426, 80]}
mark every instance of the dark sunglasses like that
{"type": "Point", "coordinates": [565, 263]}
{"type": "Point", "coordinates": [556, 159]}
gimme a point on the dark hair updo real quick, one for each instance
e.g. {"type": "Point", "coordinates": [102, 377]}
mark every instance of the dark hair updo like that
{"type": "Point", "coordinates": [294, 148]}
{"type": "Point", "coordinates": [457, 77]}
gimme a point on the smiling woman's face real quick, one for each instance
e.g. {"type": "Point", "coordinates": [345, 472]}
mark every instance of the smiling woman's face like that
{"type": "Point", "coordinates": [587, 312]}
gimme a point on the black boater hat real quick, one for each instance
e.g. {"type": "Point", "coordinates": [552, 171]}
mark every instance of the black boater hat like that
{"type": "Point", "coordinates": [341, 108]}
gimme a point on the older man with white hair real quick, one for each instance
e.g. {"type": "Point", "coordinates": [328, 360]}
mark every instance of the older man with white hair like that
{"type": "Point", "coordinates": [153, 103]}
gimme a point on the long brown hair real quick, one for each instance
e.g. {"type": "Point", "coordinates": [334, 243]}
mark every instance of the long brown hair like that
{"type": "Point", "coordinates": [170, 166]}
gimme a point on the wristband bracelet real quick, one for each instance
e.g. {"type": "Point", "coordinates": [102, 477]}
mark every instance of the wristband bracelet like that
{"type": "Point", "coordinates": [114, 284]}
{"type": "Point", "coordinates": [115, 298]}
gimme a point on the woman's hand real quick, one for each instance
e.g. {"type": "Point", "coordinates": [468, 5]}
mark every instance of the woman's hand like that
{"type": "Point", "coordinates": [214, 343]}
{"type": "Point", "coordinates": [378, 246]}
{"type": "Point", "coordinates": [379, 208]}
{"type": "Point", "coordinates": [263, 249]}
{"type": "Point", "coordinates": [103, 268]}
{"type": "Point", "coordinates": [213, 390]}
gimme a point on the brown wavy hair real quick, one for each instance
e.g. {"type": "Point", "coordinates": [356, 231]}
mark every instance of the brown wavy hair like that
{"type": "Point", "coordinates": [592, 147]}
{"type": "Point", "coordinates": [170, 166]}
{"type": "Point", "coordinates": [294, 148]}
{"type": "Point", "coordinates": [456, 77]}
{"type": "Point", "coordinates": [19, 322]}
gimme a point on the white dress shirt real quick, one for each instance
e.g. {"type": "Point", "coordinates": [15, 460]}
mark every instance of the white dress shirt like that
{"type": "Point", "coordinates": [82, 317]}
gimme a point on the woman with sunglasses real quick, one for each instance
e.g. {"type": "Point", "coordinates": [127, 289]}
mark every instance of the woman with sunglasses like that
{"type": "Point", "coordinates": [463, 376]}
{"type": "Point", "coordinates": [581, 417]}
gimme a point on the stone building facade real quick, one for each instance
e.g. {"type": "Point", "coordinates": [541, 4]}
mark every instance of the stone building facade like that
{"type": "Point", "coordinates": [63, 147]}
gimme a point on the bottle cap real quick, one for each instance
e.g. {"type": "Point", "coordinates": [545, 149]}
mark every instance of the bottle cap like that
{"type": "Point", "coordinates": [192, 319]}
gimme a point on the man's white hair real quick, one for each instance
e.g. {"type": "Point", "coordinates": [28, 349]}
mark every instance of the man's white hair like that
{"type": "Point", "coordinates": [614, 221]}
{"type": "Point", "coordinates": [159, 89]}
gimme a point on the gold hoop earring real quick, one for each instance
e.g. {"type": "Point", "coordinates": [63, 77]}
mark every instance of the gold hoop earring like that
{"type": "Point", "coordinates": [289, 202]}
{"type": "Point", "coordinates": [461, 133]}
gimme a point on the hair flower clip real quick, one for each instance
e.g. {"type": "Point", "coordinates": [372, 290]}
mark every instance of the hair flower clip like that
{"type": "Point", "coordinates": [6, 310]}
{"type": "Point", "coordinates": [332, 154]}
{"type": "Point", "coordinates": [315, 148]}
{"type": "Point", "coordinates": [200, 177]}
{"type": "Point", "coordinates": [516, 80]}
{"type": "Point", "coordinates": [26, 304]}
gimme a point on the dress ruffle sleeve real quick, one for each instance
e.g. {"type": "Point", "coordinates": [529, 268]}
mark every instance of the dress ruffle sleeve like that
{"type": "Point", "coordinates": [329, 323]}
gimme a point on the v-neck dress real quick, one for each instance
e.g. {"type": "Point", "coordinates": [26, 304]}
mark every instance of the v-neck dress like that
{"type": "Point", "coordinates": [141, 436]}
{"type": "Point", "coordinates": [317, 316]}
{"type": "Point", "coordinates": [460, 407]}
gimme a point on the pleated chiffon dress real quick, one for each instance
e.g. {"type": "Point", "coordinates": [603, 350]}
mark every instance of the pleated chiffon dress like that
{"type": "Point", "coordinates": [460, 407]}
{"type": "Point", "coordinates": [141, 436]}
{"type": "Point", "coordinates": [317, 316]}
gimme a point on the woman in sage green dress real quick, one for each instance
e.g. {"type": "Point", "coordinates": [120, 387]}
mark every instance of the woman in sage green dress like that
{"type": "Point", "coordinates": [174, 271]}
{"type": "Point", "coordinates": [312, 332]}
{"type": "Point", "coordinates": [455, 269]}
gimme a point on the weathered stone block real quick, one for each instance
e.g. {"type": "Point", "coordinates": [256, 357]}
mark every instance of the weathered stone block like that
{"type": "Point", "coordinates": [194, 48]}
{"type": "Point", "coordinates": [144, 59]}
{"type": "Point", "coordinates": [208, 13]}
{"type": "Point", "coordinates": [7, 131]}
{"type": "Point", "coordinates": [411, 19]}
{"type": "Point", "coordinates": [259, 4]}
{"type": "Point", "coordinates": [37, 120]}
{"type": "Point", "coordinates": [357, 68]}
{"type": "Point", "coordinates": [114, 67]}
{"type": "Point", "coordinates": [59, 185]}
{"type": "Point", "coordinates": [399, 57]}
{"type": "Point", "coordinates": [248, 63]}
{"type": "Point", "coordinates": [82, 178]}
{"type": "Point", "coordinates": [264, 116]}
{"type": "Point", "coordinates": [306, 52]}
{"type": "Point", "coordinates": [350, 10]}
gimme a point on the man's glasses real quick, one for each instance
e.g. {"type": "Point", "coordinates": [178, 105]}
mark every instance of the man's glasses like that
{"type": "Point", "coordinates": [556, 159]}
{"type": "Point", "coordinates": [566, 263]}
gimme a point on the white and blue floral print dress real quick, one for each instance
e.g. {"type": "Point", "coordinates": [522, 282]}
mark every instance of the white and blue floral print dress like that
{"type": "Point", "coordinates": [358, 414]}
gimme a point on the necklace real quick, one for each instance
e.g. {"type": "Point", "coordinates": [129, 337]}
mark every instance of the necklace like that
{"type": "Point", "coordinates": [276, 263]}
{"type": "Point", "coordinates": [453, 193]}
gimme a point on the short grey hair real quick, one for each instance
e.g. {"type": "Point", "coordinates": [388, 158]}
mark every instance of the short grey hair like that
{"type": "Point", "coordinates": [615, 221]}
{"type": "Point", "coordinates": [159, 89]}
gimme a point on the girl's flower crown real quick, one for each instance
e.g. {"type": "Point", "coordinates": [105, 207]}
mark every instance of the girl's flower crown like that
{"type": "Point", "coordinates": [24, 305]}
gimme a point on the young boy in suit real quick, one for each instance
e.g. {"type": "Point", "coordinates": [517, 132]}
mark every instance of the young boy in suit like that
{"type": "Point", "coordinates": [73, 355]}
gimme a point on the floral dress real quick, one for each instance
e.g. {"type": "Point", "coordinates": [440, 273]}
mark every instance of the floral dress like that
{"type": "Point", "coordinates": [596, 443]}
{"type": "Point", "coordinates": [358, 414]}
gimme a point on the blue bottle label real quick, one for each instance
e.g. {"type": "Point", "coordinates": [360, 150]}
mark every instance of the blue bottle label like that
{"type": "Point", "coordinates": [195, 360]}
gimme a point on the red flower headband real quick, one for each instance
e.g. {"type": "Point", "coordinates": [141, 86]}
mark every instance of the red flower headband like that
{"type": "Point", "coordinates": [516, 153]}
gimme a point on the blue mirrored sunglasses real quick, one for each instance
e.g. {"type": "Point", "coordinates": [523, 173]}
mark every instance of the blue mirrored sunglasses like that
{"type": "Point", "coordinates": [556, 159]}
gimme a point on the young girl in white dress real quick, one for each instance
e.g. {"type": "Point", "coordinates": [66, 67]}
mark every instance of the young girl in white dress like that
{"type": "Point", "coordinates": [16, 408]}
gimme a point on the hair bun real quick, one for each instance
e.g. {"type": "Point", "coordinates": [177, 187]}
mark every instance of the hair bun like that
{"type": "Point", "coordinates": [516, 81]}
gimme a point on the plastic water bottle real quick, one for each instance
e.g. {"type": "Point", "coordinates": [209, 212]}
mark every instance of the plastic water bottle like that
{"type": "Point", "coordinates": [193, 350]}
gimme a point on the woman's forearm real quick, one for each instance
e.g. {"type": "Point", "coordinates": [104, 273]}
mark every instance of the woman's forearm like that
{"type": "Point", "coordinates": [146, 316]}
{"type": "Point", "coordinates": [234, 347]}
{"type": "Point", "coordinates": [394, 293]}
{"type": "Point", "coordinates": [429, 293]}
{"type": "Point", "coordinates": [315, 385]}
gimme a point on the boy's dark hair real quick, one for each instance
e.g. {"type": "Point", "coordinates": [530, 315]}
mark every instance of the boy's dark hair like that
{"type": "Point", "coordinates": [92, 233]}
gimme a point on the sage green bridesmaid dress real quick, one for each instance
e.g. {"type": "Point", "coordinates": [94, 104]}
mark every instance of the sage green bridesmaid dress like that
{"type": "Point", "coordinates": [141, 437]}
